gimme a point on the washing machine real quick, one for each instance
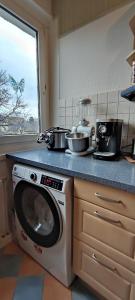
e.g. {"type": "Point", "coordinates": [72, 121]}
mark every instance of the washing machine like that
{"type": "Point", "coordinates": [43, 203]}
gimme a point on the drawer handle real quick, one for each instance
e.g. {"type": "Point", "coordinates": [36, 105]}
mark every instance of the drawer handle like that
{"type": "Point", "coordinates": [107, 219]}
{"type": "Point", "coordinates": [113, 269]}
{"type": "Point", "coordinates": [108, 199]}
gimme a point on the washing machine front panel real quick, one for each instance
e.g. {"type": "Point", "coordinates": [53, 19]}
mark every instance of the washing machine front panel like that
{"type": "Point", "coordinates": [53, 181]}
{"type": "Point", "coordinates": [57, 259]}
{"type": "Point", "coordinates": [38, 213]}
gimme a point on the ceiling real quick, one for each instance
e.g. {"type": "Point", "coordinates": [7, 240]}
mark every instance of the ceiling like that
{"type": "Point", "coordinates": [73, 14]}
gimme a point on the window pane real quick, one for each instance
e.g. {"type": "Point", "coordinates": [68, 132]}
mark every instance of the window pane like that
{"type": "Point", "coordinates": [19, 112]}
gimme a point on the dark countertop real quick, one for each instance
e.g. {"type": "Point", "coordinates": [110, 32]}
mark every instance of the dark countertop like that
{"type": "Point", "coordinates": [119, 174]}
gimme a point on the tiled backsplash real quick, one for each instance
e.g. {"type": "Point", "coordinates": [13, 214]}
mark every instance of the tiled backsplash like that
{"type": "Point", "coordinates": [103, 106]}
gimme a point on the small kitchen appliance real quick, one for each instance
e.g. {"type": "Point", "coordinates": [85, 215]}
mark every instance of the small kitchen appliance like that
{"type": "Point", "coordinates": [80, 139]}
{"type": "Point", "coordinates": [77, 142]}
{"type": "Point", "coordinates": [54, 138]}
{"type": "Point", "coordinates": [108, 137]}
{"type": "Point", "coordinates": [84, 127]}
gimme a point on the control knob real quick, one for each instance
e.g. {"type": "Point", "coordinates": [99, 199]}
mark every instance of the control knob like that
{"type": "Point", "coordinates": [102, 129]}
{"type": "Point", "coordinates": [33, 176]}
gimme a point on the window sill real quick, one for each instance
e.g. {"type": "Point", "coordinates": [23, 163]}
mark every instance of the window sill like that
{"type": "Point", "coordinates": [14, 139]}
{"type": "Point", "coordinates": [17, 143]}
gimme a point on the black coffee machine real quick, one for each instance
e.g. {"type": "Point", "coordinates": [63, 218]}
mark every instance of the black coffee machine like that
{"type": "Point", "coordinates": [108, 136]}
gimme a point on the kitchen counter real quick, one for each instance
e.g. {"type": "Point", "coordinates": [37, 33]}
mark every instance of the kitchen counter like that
{"type": "Point", "coordinates": [119, 174]}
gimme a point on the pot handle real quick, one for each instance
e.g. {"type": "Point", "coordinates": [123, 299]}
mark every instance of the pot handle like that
{"type": "Point", "coordinates": [51, 139]}
{"type": "Point", "coordinates": [66, 134]}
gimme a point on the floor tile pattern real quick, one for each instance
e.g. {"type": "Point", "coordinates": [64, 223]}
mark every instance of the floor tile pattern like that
{"type": "Point", "coordinates": [22, 278]}
{"type": "Point", "coordinates": [29, 288]}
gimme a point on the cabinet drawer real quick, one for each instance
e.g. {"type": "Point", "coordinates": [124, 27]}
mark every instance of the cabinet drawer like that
{"type": "Point", "coordinates": [107, 197]}
{"type": "Point", "coordinates": [94, 221]}
{"type": "Point", "coordinates": [101, 273]}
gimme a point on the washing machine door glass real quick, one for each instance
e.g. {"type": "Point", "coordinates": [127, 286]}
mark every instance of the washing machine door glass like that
{"type": "Point", "coordinates": [38, 213]}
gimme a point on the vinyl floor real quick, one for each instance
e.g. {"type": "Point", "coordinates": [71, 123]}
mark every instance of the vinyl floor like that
{"type": "Point", "coordinates": [21, 278]}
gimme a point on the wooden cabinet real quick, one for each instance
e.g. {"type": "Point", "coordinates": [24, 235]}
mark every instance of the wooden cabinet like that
{"type": "Point", "coordinates": [104, 239]}
{"type": "Point", "coordinates": [113, 199]}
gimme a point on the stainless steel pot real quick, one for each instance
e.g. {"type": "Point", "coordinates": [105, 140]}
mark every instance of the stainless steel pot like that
{"type": "Point", "coordinates": [54, 138]}
{"type": "Point", "coordinates": [78, 142]}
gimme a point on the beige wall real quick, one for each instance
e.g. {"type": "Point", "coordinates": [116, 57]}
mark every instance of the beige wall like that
{"type": "Point", "coordinates": [93, 58]}
{"type": "Point", "coordinates": [72, 14]}
{"type": "Point", "coordinates": [91, 62]}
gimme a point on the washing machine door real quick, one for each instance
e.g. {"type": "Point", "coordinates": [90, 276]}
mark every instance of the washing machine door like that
{"type": "Point", "coordinates": [38, 213]}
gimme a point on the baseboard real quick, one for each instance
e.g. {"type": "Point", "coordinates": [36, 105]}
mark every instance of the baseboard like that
{"type": "Point", "coordinates": [5, 240]}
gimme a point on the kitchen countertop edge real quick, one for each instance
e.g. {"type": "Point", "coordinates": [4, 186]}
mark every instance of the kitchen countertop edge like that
{"type": "Point", "coordinates": [50, 167]}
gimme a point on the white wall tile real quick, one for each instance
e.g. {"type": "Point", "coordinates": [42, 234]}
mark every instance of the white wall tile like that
{"type": "Point", "coordinates": [101, 117]}
{"type": "Point", "coordinates": [102, 98]}
{"type": "Point", "coordinates": [92, 120]}
{"type": "Point", "coordinates": [92, 110]}
{"type": "Point", "coordinates": [75, 121]}
{"type": "Point", "coordinates": [125, 126]}
{"type": "Point", "coordinates": [75, 101]}
{"type": "Point", "coordinates": [81, 112]}
{"type": "Point", "coordinates": [69, 122]}
{"type": "Point", "coordinates": [113, 96]}
{"type": "Point", "coordinates": [102, 109]}
{"type": "Point", "coordinates": [129, 140]}
{"type": "Point", "coordinates": [69, 111]}
{"type": "Point", "coordinates": [131, 130]}
{"type": "Point", "coordinates": [132, 119]}
{"type": "Point", "coordinates": [85, 110]}
{"type": "Point", "coordinates": [103, 106]}
{"type": "Point", "coordinates": [112, 116]}
{"type": "Point", "coordinates": [75, 111]}
{"type": "Point", "coordinates": [124, 141]}
{"type": "Point", "coordinates": [132, 108]}
{"type": "Point", "coordinates": [60, 111]}
{"type": "Point", "coordinates": [125, 130]}
{"type": "Point", "coordinates": [69, 102]}
{"type": "Point", "coordinates": [112, 108]}
{"type": "Point", "coordinates": [124, 117]}
{"type": "Point", "coordinates": [123, 107]}
{"type": "Point", "coordinates": [62, 103]}
{"type": "Point", "coordinates": [60, 121]}
{"type": "Point", "coordinates": [94, 99]}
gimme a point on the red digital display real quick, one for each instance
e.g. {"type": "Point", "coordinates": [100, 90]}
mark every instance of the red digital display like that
{"type": "Point", "coordinates": [48, 180]}
{"type": "Point", "coordinates": [52, 182]}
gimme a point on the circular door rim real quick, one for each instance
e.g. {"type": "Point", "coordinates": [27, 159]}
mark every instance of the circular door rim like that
{"type": "Point", "coordinates": [44, 241]}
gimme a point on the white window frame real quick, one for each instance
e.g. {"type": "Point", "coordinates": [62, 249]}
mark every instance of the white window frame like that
{"type": "Point", "coordinates": [42, 28]}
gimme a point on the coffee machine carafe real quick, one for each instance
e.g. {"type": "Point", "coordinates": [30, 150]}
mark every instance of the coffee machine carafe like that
{"type": "Point", "coordinates": [108, 136]}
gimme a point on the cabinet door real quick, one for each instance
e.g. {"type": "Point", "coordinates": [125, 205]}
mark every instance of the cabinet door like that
{"type": "Point", "coordinates": [101, 273]}
{"type": "Point", "coordinates": [107, 197]}
{"type": "Point", "coordinates": [104, 226]}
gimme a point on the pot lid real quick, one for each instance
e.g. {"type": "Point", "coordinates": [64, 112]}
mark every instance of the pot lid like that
{"type": "Point", "coordinates": [57, 130]}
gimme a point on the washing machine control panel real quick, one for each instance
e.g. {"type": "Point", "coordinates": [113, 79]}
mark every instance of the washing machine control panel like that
{"type": "Point", "coordinates": [54, 183]}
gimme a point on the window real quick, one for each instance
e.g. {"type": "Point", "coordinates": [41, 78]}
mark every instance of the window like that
{"type": "Point", "coordinates": [19, 96]}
